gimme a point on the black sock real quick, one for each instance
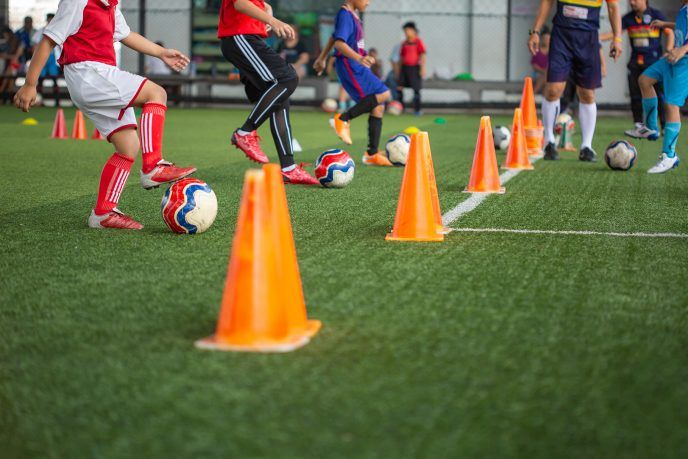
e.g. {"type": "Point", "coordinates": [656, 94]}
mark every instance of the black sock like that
{"type": "Point", "coordinates": [374, 133]}
{"type": "Point", "coordinates": [274, 97]}
{"type": "Point", "coordinates": [280, 125]}
{"type": "Point", "coordinates": [366, 105]}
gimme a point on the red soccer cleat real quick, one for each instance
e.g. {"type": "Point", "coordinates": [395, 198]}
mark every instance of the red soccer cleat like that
{"type": "Point", "coordinates": [164, 172]}
{"type": "Point", "coordinates": [298, 176]}
{"type": "Point", "coordinates": [250, 145]}
{"type": "Point", "coordinates": [113, 219]}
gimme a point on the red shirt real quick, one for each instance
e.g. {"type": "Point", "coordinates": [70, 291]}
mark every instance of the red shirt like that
{"type": "Point", "coordinates": [411, 51]}
{"type": "Point", "coordinates": [85, 30]}
{"type": "Point", "coordinates": [233, 22]}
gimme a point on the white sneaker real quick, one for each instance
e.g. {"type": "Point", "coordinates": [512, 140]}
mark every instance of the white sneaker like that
{"type": "Point", "coordinates": [642, 132]}
{"type": "Point", "coordinates": [664, 164]}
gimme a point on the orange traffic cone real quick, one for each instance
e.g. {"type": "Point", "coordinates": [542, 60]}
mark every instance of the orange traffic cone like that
{"type": "Point", "coordinates": [97, 135]}
{"type": "Point", "coordinates": [517, 154]}
{"type": "Point", "coordinates": [484, 173]}
{"type": "Point", "coordinates": [257, 314]}
{"type": "Point", "coordinates": [79, 128]}
{"type": "Point", "coordinates": [60, 126]}
{"type": "Point", "coordinates": [423, 141]}
{"type": "Point", "coordinates": [416, 218]}
{"type": "Point", "coordinates": [534, 131]}
{"type": "Point", "coordinates": [528, 104]}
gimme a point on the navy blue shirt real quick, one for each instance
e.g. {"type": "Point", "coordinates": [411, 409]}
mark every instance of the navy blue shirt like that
{"type": "Point", "coordinates": [646, 42]}
{"type": "Point", "coordinates": [579, 14]}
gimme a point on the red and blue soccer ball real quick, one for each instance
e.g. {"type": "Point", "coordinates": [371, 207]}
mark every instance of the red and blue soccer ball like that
{"type": "Point", "coordinates": [189, 206]}
{"type": "Point", "coordinates": [335, 169]}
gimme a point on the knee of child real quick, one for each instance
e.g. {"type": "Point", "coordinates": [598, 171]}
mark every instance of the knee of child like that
{"type": "Point", "coordinates": [378, 111]}
{"type": "Point", "coordinates": [384, 97]}
{"type": "Point", "coordinates": [291, 85]}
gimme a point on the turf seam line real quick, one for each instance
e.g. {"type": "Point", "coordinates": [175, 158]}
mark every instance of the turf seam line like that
{"type": "Point", "coordinates": [476, 199]}
{"type": "Point", "coordinates": [572, 233]}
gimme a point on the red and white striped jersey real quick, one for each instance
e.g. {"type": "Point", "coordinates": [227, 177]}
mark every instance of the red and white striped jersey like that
{"type": "Point", "coordinates": [85, 30]}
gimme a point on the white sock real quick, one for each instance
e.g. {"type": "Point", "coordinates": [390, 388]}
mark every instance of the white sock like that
{"type": "Point", "coordinates": [550, 111]}
{"type": "Point", "coordinates": [289, 168]}
{"type": "Point", "coordinates": [242, 133]}
{"type": "Point", "coordinates": [588, 119]}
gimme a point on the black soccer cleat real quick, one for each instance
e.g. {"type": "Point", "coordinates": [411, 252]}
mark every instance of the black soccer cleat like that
{"type": "Point", "coordinates": [551, 153]}
{"type": "Point", "coordinates": [588, 155]}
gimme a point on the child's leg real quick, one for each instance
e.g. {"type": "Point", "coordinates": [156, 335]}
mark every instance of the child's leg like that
{"type": "Point", "coordinates": [672, 130]}
{"type": "Point", "coordinates": [650, 103]}
{"type": "Point", "coordinates": [153, 99]}
{"type": "Point", "coordinates": [275, 96]}
{"type": "Point", "coordinates": [116, 170]}
{"type": "Point", "coordinates": [417, 86]}
{"type": "Point", "coordinates": [280, 125]}
{"type": "Point", "coordinates": [375, 123]}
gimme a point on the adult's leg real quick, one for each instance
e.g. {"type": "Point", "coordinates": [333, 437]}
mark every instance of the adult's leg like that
{"type": "Point", "coordinates": [587, 115]}
{"type": "Point", "coordinates": [636, 96]}
{"type": "Point", "coordinates": [551, 107]}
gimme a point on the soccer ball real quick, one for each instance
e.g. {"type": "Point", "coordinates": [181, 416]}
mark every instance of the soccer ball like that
{"type": "Point", "coordinates": [189, 206]}
{"type": "Point", "coordinates": [329, 105]}
{"type": "Point", "coordinates": [335, 169]}
{"type": "Point", "coordinates": [502, 137]}
{"type": "Point", "coordinates": [564, 122]}
{"type": "Point", "coordinates": [397, 149]}
{"type": "Point", "coordinates": [395, 108]}
{"type": "Point", "coordinates": [620, 155]}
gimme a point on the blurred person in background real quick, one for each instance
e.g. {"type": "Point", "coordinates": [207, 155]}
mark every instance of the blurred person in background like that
{"type": "Point", "coordinates": [377, 66]}
{"type": "Point", "coordinates": [412, 71]}
{"type": "Point", "coordinates": [51, 70]}
{"type": "Point", "coordinates": [10, 48]}
{"type": "Point", "coordinates": [25, 36]}
{"type": "Point", "coordinates": [294, 51]}
{"type": "Point", "coordinates": [155, 66]}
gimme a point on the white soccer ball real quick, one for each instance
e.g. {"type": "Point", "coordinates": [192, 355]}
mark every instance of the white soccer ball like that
{"type": "Point", "coordinates": [620, 155]}
{"type": "Point", "coordinates": [502, 137]}
{"type": "Point", "coordinates": [397, 149]}
{"type": "Point", "coordinates": [329, 105]}
{"type": "Point", "coordinates": [189, 206]}
{"type": "Point", "coordinates": [565, 121]}
{"type": "Point", "coordinates": [395, 108]}
{"type": "Point", "coordinates": [335, 169]}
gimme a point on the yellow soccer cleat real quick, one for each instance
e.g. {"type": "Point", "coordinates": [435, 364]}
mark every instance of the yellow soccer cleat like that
{"type": "Point", "coordinates": [378, 159]}
{"type": "Point", "coordinates": [341, 128]}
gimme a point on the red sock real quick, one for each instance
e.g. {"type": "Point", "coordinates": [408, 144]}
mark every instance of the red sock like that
{"type": "Point", "coordinates": [152, 128]}
{"type": "Point", "coordinates": [112, 180]}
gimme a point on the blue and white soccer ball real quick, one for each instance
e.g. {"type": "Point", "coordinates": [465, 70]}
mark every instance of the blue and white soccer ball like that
{"type": "Point", "coordinates": [189, 206]}
{"type": "Point", "coordinates": [620, 155]}
{"type": "Point", "coordinates": [397, 149]}
{"type": "Point", "coordinates": [335, 169]}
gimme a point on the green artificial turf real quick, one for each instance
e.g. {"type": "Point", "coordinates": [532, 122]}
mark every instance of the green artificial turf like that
{"type": "Point", "coordinates": [486, 345]}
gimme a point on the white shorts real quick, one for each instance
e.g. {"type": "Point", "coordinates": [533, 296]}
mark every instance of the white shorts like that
{"type": "Point", "coordinates": [104, 94]}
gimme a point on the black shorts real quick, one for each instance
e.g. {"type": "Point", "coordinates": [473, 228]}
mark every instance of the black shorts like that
{"type": "Point", "coordinates": [575, 53]}
{"type": "Point", "coordinates": [260, 66]}
{"type": "Point", "coordinates": [409, 77]}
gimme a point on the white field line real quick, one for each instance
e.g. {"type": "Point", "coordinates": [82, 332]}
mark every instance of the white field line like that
{"type": "Point", "coordinates": [571, 233]}
{"type": "Point", "coordinates": [477, 198]}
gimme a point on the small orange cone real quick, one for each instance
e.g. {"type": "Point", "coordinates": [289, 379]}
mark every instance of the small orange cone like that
{"type": "Point", "coordinates": [517, 154]}
{"type": "Point", "coordinates": [256, 314]}
{"type": "Point", "coordinates": [60, 126]}
{"type": "Point", "coordinates": [97, 135]}
{"type": "Point", "coordinates": [534, 131]}
{"type": "Point", "coordinates": [416, 217]}
{"type": "Point", "coordinates": [424, 142]}
{"type": "Point", "coordinates": [79, 128]}
{"type": "Point", "coordinates": [484, 173]}
{"type": "Point", "coordinates": [528, 104]}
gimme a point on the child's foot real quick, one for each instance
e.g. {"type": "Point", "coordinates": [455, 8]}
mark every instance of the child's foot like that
{"type": "Point", "coordinates": [113, 219]}
{"type": "Point", "coordinates": [418, 113]}
{"type": "Point", "coordinates": [164, 172]}
{"type": "Point", "coordinates": [250, 145]}
{"type": "Point", "coordinates": [341, 128]}
{"type": "Point", "coordinates": [664, 164]}
{"type": "Point", "coordinates": [642, 132]}
{"type": "Point", "coordinates": [298, 176]}
{"type": "Point", "coordinates": [378, 159]}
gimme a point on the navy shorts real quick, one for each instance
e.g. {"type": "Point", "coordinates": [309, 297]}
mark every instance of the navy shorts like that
{"type": "Point", "coordinates": [358, 81]}
{"type": "Point", "coordinates": [575, 53]}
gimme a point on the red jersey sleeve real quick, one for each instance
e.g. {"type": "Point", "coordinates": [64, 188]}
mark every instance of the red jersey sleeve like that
{"type": "Point", "coordinates": [421, 47]}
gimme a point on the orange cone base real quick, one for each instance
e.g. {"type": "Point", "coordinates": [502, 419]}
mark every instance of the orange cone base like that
{"type": "Point", "coordinates": [443, 230]}
{"type": "Point", "coordinates": [519, 168]}
{"type": "Point", "coordinates": [436, 238]}
{"type": "Point", "coordinates": [501, 190]}
{"type": "Point", "coordinates": [289, 344]}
